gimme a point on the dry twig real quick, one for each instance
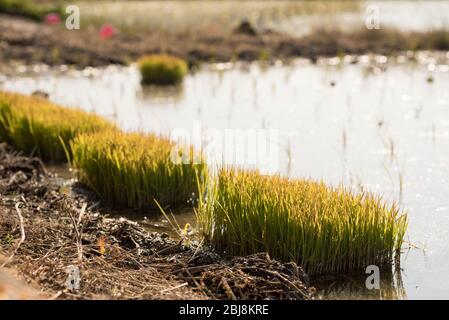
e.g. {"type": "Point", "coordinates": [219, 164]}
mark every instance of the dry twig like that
{"type": "Point", "coordinates": [22, 234]}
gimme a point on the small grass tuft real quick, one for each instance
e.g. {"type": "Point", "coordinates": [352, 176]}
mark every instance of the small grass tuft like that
{"type": "Point", "coordinates": [162, 69]}
{"type": "Point", "coordinates": [324, 229]}
{"type": "Point", "coordinates": [39, 127]}
{"type": "Point", "coordinates": [134, 169]}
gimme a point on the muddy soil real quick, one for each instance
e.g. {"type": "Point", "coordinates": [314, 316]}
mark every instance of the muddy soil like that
{"type": "Point", "coordinates": [26, 41]}
{"type": "Point", "coordinates": [45, 235]}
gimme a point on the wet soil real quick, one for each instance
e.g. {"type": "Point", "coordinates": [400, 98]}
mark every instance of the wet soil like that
{"type": "Point", "coordinates": [46, 234]}
{"type": "Point", "coordinates": [27, 41]}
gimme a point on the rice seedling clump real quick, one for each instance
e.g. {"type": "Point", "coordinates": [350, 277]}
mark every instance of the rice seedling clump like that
{"type": "Point", "coordinates": [134, 169]}
{"type": "Point", "coordinates": [39, 127]}
{"type": "Point", "coordinates": [162, 69]}
{"type": "Point", "coordinates": [323, 229]}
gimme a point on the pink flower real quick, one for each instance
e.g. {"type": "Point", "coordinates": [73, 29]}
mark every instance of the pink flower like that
{"type": "Point", "coordinates": [107, 31]}
{"type": "Point", "coordinates": [52, 19]}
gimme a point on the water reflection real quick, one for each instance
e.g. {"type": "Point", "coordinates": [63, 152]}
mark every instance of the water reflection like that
{"type": "Point", "coordinates": [343, 287]}
{"type": "Point", "coordinates": [173, 224]}
{"type": "Point", "coordinates": [156, 94]}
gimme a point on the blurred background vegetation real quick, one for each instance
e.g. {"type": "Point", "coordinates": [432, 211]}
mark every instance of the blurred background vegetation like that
{"type": "Point", "coordinates": [178, 15]}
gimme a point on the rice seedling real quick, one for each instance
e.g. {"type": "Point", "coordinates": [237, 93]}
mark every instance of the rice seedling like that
{"type": "Point", "coordinates": [134, 169]}
{"type": "Point", "coordinates": [162, 69]}
{"type": "Point", "coordinates": [39, 127]}
{"type": "Point", "coordinates": [324, 229]}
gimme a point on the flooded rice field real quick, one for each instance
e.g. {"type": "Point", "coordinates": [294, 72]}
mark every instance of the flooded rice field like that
{"type": "Point", "coordinates": [294, 17]}
{"type": "Point", "coordinates": [368, 122]}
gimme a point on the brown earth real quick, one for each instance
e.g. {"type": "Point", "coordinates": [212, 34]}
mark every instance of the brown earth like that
{"type": "Point", "coordinates": [27, 41]}
{"type": "Point", "coordinates": [44, 233]}
{"type": "Point", "coordinates": [12, 287]}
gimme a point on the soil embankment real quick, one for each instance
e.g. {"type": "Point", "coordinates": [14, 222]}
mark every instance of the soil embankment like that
{"type": "Point", "coordinates": [45, 234]}
{"type": "Point", "coordinates": [27, 41]}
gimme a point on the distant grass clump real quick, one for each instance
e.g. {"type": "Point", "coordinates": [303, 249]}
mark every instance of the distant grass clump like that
{"type": "Point", "coordinates": [162, 69]}
{"type": "Point", "coordinates": [323, 229]}
{"type": "Point", "coordinates": [30, 9]}
{"type": "Point", "coordinates": [41, 128]}
{"type": "Point", "coordinates": [134, 169]}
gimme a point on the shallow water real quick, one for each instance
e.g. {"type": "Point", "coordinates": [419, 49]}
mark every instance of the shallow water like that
{"type": "Point", "coordinates": [401, 15]}
{"type": "Point", "coordinates": [380, 124]}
